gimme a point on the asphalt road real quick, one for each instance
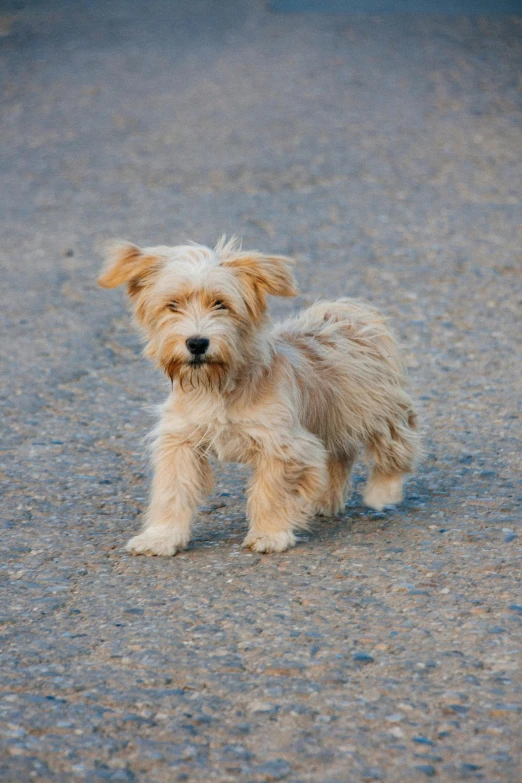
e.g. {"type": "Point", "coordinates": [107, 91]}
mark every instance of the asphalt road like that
{"type": "Point", "coordinates": [385, 155]}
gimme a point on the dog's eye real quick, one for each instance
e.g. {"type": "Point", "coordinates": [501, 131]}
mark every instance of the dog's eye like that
{"type": "Point", "coordinates": [174, 306]}
{"type": "Point", "coordinates": [219, 305]}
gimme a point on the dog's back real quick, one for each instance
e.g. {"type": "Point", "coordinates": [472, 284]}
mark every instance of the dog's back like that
{"type": "Point", "coordinates": [349, 373]}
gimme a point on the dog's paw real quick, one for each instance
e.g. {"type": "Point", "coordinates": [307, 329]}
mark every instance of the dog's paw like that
{"type": "Point", "coordinates": [329, 507]}
{"type": "Point", "coordinates": [384, 491]}
{"type": "Point", "coordinates": [156, 541]}
{"type": "Point", "coordinates": [270, 542]}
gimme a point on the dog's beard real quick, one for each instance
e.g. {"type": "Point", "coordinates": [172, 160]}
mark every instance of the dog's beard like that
{"type": "Point", "coordinates": [205, 373]}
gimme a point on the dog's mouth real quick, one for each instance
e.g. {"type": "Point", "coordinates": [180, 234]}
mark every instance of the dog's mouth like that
{"type": "Point", "coordinates": [201, 372]}
{"type": "Point", "coordinates": [201, 361]}
{"type": "Point", "coordinates": [197, 371]}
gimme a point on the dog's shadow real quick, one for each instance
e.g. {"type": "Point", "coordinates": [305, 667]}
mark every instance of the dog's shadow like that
{"type": "Point", "coordinates": [219, 523]}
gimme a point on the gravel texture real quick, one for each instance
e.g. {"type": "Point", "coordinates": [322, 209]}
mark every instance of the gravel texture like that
{"type": "Point", "coordinates": [386, 156]}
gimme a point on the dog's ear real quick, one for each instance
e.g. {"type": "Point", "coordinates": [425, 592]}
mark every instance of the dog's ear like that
{"type": "Point", "coordinates": [128, 263]}
{"type": "Point", "coordinates": [263, 275]}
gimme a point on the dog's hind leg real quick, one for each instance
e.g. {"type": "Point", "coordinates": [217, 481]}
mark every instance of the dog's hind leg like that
{"type": "Point", "coordinates": [283, 493]}
{"type": "Point", "coordinates": [334, 499]}
{"type": "Point", "coordinates": [393, 450]}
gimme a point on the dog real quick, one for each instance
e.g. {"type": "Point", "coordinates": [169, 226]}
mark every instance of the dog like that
{"type": "Point", "coordinates": [295, 401]}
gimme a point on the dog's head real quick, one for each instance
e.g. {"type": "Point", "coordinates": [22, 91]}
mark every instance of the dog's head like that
{"type": "Point", "coordinates": [201, 309]}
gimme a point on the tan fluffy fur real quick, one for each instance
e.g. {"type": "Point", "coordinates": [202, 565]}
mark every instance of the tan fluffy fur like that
{"type": "Point", "coordinates": [295, 402]}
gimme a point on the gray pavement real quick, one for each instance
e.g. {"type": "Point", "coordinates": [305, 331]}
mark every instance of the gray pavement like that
{"type": "Point", "coordinates": [385, 154]}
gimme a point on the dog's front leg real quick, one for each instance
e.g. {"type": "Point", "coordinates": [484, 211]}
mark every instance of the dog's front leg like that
{"type": "Point", "coordinates": [285, 487]}
{"type": "Point", "coordinates": [182, 476]}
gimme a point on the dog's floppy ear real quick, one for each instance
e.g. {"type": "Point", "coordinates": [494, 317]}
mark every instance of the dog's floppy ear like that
{"type": "Point", "coordinates": [127, 263]}
{"type": "Point", "coordinates": [262, 274]}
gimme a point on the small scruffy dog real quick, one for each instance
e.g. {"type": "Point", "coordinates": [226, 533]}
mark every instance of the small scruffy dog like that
{"type": "Point", "coordinates": [294, 401]}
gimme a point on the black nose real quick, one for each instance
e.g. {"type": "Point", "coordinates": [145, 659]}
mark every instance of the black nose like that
{"type": "Point", "coordinates": [197, 345]}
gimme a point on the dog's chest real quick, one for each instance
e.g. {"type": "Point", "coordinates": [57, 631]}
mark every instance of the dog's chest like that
{"type": "Point", "coordinates": [229, 440]}
{"type": "Point", "coordinates": [229, 445]}
{"type": "Point", "coordinates": [226, 435]}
